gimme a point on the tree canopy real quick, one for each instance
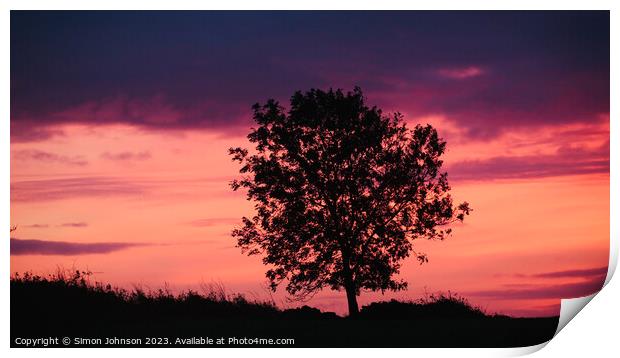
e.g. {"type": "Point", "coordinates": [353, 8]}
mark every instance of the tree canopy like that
{"type": "Point", "coordinates": [341, 191]}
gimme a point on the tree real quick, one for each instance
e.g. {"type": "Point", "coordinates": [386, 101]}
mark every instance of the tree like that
{"type": "Point", "coordinates": [341, 191]}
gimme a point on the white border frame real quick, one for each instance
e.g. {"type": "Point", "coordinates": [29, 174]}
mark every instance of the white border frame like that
{"type": "Point", "coordinates": [594, 328]}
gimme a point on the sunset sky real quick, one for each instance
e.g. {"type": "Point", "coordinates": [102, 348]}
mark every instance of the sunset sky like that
{"type": "Point", "coordinates": [120, 125]}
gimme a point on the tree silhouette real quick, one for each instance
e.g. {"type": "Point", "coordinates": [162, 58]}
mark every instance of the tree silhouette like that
{"type": "Point", "coordinates": [341, 191]}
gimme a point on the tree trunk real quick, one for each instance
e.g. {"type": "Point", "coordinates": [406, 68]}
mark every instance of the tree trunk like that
{"type": "Point", "coordinates": [349, 285]}
{"type": "Point", "coordinates": [352, 301]}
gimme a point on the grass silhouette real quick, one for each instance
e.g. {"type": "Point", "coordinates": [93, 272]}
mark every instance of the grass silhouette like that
{"type": "Point", "coordinates": [68, 304]}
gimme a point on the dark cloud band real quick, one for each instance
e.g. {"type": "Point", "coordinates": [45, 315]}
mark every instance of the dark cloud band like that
{"type": "Point", "coordinates": [486, 71]}
{"type": "Point", "coordinates": [42, 247]}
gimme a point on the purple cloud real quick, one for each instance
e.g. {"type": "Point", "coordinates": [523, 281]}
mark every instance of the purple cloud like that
{"type": "Point", "coordinates": [41, 156]}
{"type": "Point", "coordinates": [77, 224]}
{"type": "Point", "coordinates": [461, 73]}
{"type": "Point", "coordinates": [126, 156]}
{"type": "Point", "coordinates": [41, 247]}
{"type": "Point", "coordinates": [37, 226]}
{"type": "Point", "coordinates": [540, 75]}
{"type": "Point", "coordinates": [566, 161]}
{"type": "Point", "coordinates": [586, 273]}
{"type": "Point", "coordinates": [33, 131]}
{"type": "Point", "coordinates": [537, 311]}
{"type": "Point", "coordinates": [569, 290]}
{"type": "Point", "coordinates": [56, 189]}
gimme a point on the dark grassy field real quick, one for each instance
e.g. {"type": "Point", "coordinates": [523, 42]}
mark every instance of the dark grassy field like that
{"type": "Point", "coordinates": [69, 306]}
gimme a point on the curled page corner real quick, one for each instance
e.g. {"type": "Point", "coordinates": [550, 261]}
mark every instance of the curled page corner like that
{"type": "Point", "coordinates": [613, 261]}
{"type": "Point", "coordinates": [569, 307]}
{"type": "Point", "coordinates": [568, 310]}
{"type": "Point", "coordinates": [523, 351]}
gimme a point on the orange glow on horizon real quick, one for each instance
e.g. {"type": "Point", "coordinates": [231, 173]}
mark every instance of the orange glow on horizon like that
{"type": "Point", "coordinates": [168, 193]}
